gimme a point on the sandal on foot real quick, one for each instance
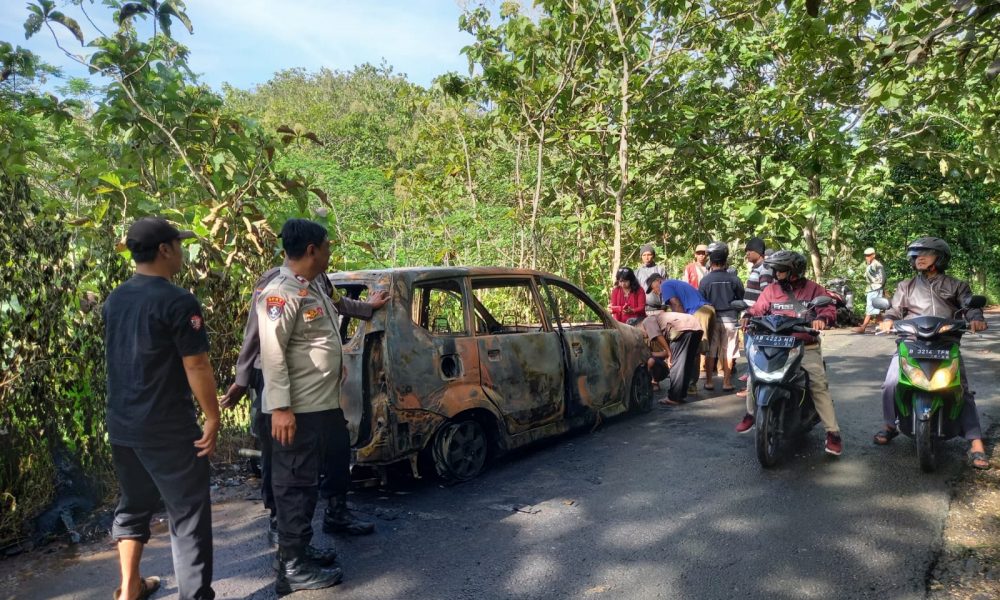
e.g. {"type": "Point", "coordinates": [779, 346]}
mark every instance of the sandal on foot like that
{"type": "Point", "coordinates": [709, 387]}
{"type": "Point", "coordinates": [742, 393]}
{"type": "Point", "coordinates": [978, 460]}
{"type": "Point", "coordinates": [149, 587]}
{"type": "Point", "coordinates": [728, 389]}
{"type": "Point", "coordinates": [885, 436]}
{"type": "Point", "coordinates": [669, 402]}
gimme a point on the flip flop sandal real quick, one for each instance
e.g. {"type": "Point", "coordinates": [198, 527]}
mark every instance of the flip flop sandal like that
{"type": "Point", "coordinates": [742, 393]}
{"type": "Point", "coordinates": [885, 436]}
{"type": "Point", "coordinates": [978, 460]}
{"type": "Point", "coordinates": [149, 587]}
{"type": "Point", "coordinates": [669, 402]}
{"type": "Point", "coordinates": [728, 389]}
{"type": "Point", "coordinates": [709, 387]}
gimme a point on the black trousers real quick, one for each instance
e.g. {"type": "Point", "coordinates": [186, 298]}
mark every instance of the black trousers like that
{"type": "Point", "coordinates": [684, 371]}
{"type": "Point", "coordinates": [182, 480]}
{"type": "Point", "coordinates": [321, 447]}
{"type": "Point", "coordinates": [262, 428]}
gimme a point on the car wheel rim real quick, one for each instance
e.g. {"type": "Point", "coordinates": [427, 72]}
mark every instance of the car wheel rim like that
{"type": "Point", "coordinates": [466, 449]}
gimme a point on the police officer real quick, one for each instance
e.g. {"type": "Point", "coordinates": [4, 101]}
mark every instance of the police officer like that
{"type": "Point", "coordinates": [157, 358]}
{"type": "Point", "coordinates": [300, 357]}
{"type": "Point", "coordinates": [337, 517]}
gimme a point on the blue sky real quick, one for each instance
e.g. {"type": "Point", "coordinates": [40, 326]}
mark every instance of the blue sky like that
{"type": "Point", "coordinates": [243, 42]}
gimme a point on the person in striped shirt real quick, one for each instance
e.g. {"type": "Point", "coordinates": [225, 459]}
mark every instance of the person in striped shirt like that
{"type": "Point", "coordinates": [760, 276]}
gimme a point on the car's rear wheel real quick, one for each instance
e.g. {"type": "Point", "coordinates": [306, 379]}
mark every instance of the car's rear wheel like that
{"type": "Point", "coordinates": [460, 450]}
{"type": "Point", "coordinates": [640, 396]}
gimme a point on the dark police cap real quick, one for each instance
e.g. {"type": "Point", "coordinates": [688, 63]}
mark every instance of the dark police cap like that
{"type": "Point", "coordinates": [149, 232]}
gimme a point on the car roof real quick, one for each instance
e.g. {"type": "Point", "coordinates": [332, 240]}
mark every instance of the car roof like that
{"type": "Point", "coordinates": [411, 273]}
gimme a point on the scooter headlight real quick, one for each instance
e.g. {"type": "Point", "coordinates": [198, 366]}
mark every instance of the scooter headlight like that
{"type": "Point", "coordinates": [915, 374]}
{"type": "Point", "coordinates": [945, 376]}
{"type": "Point", "coordinates": [774, 376]}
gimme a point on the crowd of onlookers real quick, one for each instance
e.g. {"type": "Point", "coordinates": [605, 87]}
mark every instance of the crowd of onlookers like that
{"type": "Point", "coordinates": [690, 322]}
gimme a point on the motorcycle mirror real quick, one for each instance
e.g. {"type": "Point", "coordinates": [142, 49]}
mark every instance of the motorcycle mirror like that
{"type": "Point", "coordinates": [738, 304]}
{"type": "Point", "coordinates": [821, 301]}
{"type": "Point", "coordinates": [976, 302]}
{"type": "Point", "coordinates": [881, 303]}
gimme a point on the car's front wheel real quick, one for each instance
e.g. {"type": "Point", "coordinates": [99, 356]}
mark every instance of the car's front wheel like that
{"type": "Point", "coordinates": [640, 397]}
{"type": "Point", "coordinates": [460, 450]}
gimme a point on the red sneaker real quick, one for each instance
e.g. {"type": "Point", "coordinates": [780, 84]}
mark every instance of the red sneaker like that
{"type": "Point", "coordinates": [746, 424]}
{"type": "Point", "coordinates": [834, 445]}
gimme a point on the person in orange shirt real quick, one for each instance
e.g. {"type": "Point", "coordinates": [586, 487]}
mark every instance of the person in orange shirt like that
{"type": "Point", "coordinates": [697, 269]}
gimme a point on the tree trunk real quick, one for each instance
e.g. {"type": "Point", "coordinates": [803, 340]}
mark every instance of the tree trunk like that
{"type": "Point", "coordinates": [536, 199]}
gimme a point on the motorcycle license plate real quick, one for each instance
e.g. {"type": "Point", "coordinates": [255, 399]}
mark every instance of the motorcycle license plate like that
{"type": "Point", "coordinates": [774, 341]}
{"type": "Point", "coordinates": [931, 353]}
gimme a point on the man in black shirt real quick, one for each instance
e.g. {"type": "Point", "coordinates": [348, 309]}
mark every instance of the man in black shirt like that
{"type": "Point", "coordinates": [157, 356]}
{"type": "Point", "coordinates": [720, 288]}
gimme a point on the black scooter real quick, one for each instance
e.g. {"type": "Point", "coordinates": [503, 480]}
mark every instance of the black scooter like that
{"type": "Point", "coordinates": [929, 399]}
{"type": "Point", "coordinates": [778, 384]}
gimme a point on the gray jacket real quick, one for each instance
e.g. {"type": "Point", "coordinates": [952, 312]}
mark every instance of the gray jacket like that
{"type": "Point", "coordinates": [941, 296]}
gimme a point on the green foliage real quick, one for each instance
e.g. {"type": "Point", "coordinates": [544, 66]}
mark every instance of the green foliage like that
{"type": "Point", "coordinates": [582, 131]}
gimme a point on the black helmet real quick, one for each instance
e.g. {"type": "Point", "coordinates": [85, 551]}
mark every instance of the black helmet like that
{"type": "Point", "coordinates": [718, 252]}
{"type": "Point", "coordinates": [937, 245]}
{"type": "Point", "coordinates": [786, 260]}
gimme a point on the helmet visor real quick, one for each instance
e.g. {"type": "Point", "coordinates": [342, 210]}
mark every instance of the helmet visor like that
{"type": "Point", "coordinates": [917, 252]}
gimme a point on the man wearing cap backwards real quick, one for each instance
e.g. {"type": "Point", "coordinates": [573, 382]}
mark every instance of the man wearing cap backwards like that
{"type": "Point", "coordinates": [875, 276]}
{"type": "Point", "coordinates": [696, 269]}
{"type": "Point", "coordinates": [157, 357]}
{"type": "Point", "coordinates": [674, 339]}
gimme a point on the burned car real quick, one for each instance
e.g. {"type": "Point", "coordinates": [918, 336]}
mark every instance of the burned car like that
{"type": "Point", "coordinates": [463, 364]}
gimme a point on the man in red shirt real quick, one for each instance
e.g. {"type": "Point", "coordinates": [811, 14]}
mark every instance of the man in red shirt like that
{"type": "Point", "coordinates": [785, 296]}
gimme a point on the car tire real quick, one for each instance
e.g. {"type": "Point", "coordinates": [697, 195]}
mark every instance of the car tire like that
{"type": "Point", "coordinates": [460, 450]}
{"type": "Point", "coordinates": [640, 395]}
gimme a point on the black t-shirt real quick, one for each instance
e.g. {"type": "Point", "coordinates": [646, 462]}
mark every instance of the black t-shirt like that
{"type": "Point", "coordinates": [149, 325]}
{"type": "Point", "coordinates": [720, 288]}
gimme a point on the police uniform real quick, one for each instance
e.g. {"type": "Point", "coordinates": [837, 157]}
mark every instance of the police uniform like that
{"type": "Point", "coordinates": [300, 357]}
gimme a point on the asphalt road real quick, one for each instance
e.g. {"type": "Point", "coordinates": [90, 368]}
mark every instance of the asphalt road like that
{"type": "Point", "coordinates": [667, 505]}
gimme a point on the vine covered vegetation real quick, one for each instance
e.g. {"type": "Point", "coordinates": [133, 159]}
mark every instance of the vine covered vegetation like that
{"type": "Point", "coordinates": [583, 129]}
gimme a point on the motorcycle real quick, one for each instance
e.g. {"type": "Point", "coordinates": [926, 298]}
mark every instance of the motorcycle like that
{"type": "Point", "coordinates": [929, 397]}
{"type": "Point", "coordinates": [843, 296]}
{"type": "Point", "coordinates": [777, 382]}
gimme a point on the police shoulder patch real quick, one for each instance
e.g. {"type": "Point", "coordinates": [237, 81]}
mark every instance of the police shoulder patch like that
{"type": "Point", "coordinates": [195, 322]}
{"type": "Point", "coordinates": [275, 307]}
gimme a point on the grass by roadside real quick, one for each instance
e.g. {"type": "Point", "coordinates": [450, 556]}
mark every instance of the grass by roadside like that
{"type": "Point", "coordinates": [968, 567]}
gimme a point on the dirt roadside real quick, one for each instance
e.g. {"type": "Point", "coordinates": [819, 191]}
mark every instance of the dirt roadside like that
{"type": "Point", "coordinates": [968, 566]}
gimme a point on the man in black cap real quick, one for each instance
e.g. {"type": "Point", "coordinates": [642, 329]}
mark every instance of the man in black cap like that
{"type": "Point", "coordinates": [157, 357]}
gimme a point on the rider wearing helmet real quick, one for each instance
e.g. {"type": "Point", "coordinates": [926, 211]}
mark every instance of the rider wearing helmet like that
{"type": "Point", "coordinates": [932, 292]}
{"type": "Point", "coordinates": [784, 296]}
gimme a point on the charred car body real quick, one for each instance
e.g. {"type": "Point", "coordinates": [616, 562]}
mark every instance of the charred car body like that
{"type": "Point", "coordinates": [464, 363]}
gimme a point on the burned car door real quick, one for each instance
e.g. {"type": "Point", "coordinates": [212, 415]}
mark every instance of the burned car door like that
{"type": "Point", "coordinates": [592, 346]}
{"type": "Point", "coordinates": [519, 356]}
